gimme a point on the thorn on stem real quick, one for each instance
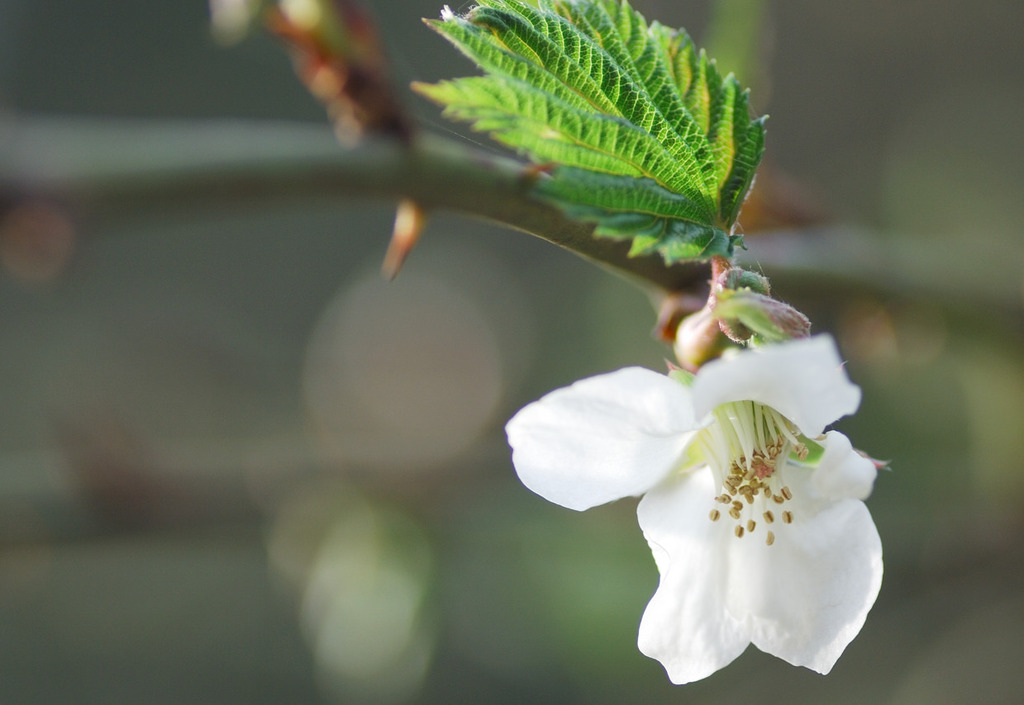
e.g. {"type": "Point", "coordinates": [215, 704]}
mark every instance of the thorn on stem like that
{"type": "Point", "coordinates": [532, 172]}
{"type": "Point", "coordinates": [410, 220]}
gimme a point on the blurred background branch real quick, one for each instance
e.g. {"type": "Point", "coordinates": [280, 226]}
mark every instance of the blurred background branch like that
{"type": "Point", "coordinates": [86, 164]}
{"type": "Point", "coordinates": [83, 165]}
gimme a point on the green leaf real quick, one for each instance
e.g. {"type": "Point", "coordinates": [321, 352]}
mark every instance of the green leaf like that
{"type": "Point", "coordinates": [638, 131]}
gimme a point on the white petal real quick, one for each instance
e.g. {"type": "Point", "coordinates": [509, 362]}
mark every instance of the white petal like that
{"type": "Point", "coordinates": [686, 626]}
{"type": "Point", "coordinates": [602, 438]}
{"type": "Point", "coordinates": [803, 599]}
{"type": "Point", "coordinates": [806, 597]}
{"type": "Point", "coordinates": [842, 471]}
{"type": "Point", "coordinates": [802, 379]}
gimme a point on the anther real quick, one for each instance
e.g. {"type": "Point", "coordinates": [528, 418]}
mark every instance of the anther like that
{"type": "Point", "coordinates": [787, 517]}
{"type": "Point", "coordinates": [778, 498]}
{"type": "Point", "coordinates": [751, 524]}
{"type": "Point", "coordinates": [749, 497]}
{"type": "Point", "coordinates": [723, 499]}
{"type": "Point", "coordinates": [734, 513]}
{"type": "Point", "coordinates": [713, 516]}
{"type": "Point", "coordinates": [770, 538]}
{"type": "Point", "coordinates": [739, 532]}
{"type": "Point", "coordinates": [769, 517]}
{"type": "Point", "coordinates": [787, 493]}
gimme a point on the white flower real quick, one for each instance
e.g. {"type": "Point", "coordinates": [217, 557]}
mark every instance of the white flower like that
{"type": "Point", "coordinates": [754, 516]}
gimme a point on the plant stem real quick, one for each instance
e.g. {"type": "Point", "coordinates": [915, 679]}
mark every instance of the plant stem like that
{"type": "Point", "coordinates": [224, 164]}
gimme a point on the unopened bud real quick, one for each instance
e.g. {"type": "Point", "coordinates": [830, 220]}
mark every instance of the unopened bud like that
{"type": "Point", "coordinates": [737, 278]}
{"type": "Point", "coordinates": [699, 339]}
{"type": "Point", "coordinates": [771, 320]}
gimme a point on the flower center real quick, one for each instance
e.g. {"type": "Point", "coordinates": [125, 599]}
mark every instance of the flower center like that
{"type": "Point", "coordinates": [745, 447]}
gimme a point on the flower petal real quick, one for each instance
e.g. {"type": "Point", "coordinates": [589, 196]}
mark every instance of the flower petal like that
{"type": "Point", "coordinates": [806, 597]}
{"type": "Point", "coordinates": [686, 626]}
{"type": "Point", "coordinates": [802, 379]}
{"type": "Point", "coordinates": [842, 471]}
{"type": "Point", "coordinates": [602, 438]}
{"type": "Point", "coordinates": [803, 599]}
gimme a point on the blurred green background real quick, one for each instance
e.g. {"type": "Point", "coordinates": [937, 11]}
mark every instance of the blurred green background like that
{"type": "Point", "coordinates": [238, 467]}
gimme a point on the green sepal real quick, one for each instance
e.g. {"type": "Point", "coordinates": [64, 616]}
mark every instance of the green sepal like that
{"type": "Point", "coordinates": [684, 377]}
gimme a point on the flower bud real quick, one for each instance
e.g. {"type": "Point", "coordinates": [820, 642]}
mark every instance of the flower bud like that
{"type": "Point", "coordinates": [767, 318]}
{"type": "Point", "coordinates": [736, 278]}
{"type": "Point", "coordinates": [699, 339]}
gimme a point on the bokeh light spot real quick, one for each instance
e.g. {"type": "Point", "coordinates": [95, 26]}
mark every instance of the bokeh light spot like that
{"type": "Point", "coordinates": [404, 374]}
